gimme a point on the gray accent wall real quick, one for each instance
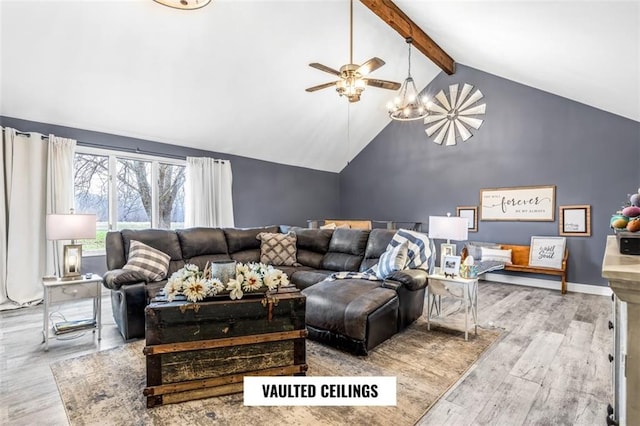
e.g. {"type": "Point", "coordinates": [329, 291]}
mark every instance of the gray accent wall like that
{"type": "Point", "coordinates": [529, 137]}
{"type": "Point", "coordinates": [264, 193]}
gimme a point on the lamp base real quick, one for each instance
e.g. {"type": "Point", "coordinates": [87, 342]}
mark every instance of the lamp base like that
{"type": "Point", "coordinates": [72, 261]}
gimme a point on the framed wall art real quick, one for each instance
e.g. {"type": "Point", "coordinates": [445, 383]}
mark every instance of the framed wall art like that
{"type": "Point", "coordinates": [471, 214]}
{"type": "Point", "coordinates": [547, 252]}
{"type": "Point", "coordinates": [524, 203]}
{"type": "Point", "coordinates": [575, 221]}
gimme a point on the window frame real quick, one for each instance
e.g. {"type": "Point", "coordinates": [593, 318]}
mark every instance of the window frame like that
{"type": "Point", "coordinates": [113, 155]}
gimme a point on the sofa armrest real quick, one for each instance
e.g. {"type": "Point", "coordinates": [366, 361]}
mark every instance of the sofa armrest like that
{"type": "Point", "coordinates": [116, 278]}
{"type": "Point", "coordinates": [412, 279]}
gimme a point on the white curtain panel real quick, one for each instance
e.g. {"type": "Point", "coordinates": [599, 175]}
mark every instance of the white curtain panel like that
{"type": "Point", "coordinates": [208, 193]}
{"type": "Point", "coordinates": [23, 204]}
{"type": "Point", "coordinates": [60, 196]}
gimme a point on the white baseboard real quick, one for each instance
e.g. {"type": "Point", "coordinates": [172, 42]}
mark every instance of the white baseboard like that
{"type": "Point", "coordinates": [548, 284]}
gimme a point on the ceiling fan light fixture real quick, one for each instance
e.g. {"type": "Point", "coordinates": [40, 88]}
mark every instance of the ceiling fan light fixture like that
{"type": "Point", "coordinates": [408, 105]}
{"type": "Point", "coordinates": [351, 87]}
{"type": "Point", "coordinates": [184, 4]}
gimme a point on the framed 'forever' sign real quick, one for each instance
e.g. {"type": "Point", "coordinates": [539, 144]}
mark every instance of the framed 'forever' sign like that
{"type": "Point", "coordinates": [526, 203]}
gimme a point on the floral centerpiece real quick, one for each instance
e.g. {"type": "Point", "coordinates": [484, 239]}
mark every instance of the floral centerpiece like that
{"type": "Point", "coordinates": [196, 284]}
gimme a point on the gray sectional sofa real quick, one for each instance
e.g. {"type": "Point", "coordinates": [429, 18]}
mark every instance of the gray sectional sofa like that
{"type": "Point", "coordinates": [352, 314]}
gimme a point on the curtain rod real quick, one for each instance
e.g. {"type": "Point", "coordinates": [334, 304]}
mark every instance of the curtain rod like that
{"type": "Point", "coordinates": [135, 150]}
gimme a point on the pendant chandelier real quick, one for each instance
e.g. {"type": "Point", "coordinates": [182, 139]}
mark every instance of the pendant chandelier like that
{"type": "Point", "coordinates": [408, 105]}
{"type": "Point", "coordinates": [184, 4]}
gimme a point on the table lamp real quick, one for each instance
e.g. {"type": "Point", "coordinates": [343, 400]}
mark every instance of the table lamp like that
{"type": "Point", "coordinates": [71, 227]}
{"type": "Point", "coordinates": [448, 228]}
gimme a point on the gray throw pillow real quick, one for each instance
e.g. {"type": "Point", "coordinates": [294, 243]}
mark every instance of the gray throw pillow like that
{"type": "Point", "coordinates": [474, 248]}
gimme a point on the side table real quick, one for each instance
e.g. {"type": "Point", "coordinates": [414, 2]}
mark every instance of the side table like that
{"type": "Point", "coordinates": [60, 291]}
{"type": "Point", "coordinates": [465, 289]}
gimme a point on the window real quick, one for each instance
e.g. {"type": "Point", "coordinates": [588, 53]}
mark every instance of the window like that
{"type": "Point", "coordinates": [128, 191]}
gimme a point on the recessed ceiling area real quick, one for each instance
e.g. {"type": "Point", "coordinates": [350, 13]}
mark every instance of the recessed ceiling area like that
{"type": "Point", "coordinates": [230, 77]}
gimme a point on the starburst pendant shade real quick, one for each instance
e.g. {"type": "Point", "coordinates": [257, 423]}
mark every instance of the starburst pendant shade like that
{"type": "Point", "coordinates": [184, 4]}
{"type": "Point", "coordinates": [451, 117]}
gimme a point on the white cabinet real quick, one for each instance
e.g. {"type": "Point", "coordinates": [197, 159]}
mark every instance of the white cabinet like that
{"type": "Point", "coordinates": [618, 362]}
{"type": "Point", "coordinates": [623, 274]}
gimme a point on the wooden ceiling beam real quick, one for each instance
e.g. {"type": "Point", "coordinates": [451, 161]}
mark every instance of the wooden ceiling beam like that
{"type": "Point", "coordinates": [399, 21]}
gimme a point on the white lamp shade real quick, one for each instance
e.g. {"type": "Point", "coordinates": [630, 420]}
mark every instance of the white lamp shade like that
{"type": "Point", "coordinates": [71, 226]}
{"type": "Point", "coordinates": [448, 228]}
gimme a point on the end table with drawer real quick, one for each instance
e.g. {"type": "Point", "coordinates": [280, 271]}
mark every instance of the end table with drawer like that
{"type": "Point", "coordinates": [465, 289]}
{"type": "Point", "coordinates": [59, 291]}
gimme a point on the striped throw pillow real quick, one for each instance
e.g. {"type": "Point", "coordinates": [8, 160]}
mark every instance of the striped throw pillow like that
{"type": "Point", "coordinates": [392, 260]}
{"type": "Point", "coordinates": [150, 262]}
{"type": "Point", "coordinates": [503, 256]}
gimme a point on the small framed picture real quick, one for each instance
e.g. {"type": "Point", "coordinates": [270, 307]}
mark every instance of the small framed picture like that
{"type": "Point", "coordinates": [471, 214]}
{"type": "Point", "coordinates": [575, 221]}
{"type": "Point", "coordinates": [451, 265]}
{"type": "Point", "coordinates": [446, 250]}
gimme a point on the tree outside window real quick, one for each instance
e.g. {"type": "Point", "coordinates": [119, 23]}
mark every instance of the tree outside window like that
{"type": "Point", "coordinates": [137, 199]}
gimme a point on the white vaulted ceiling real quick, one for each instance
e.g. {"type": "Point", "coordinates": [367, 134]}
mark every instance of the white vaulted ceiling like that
{"type": "Point", "coordinates": [230, 77]}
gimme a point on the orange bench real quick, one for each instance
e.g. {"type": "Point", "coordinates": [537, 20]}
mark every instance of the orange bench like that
{"type": "Point", "coordinates": [520, 263]}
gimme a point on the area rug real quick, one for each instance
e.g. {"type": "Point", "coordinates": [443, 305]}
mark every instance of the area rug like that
{"type": "Point", "coordinates": [106, 387]}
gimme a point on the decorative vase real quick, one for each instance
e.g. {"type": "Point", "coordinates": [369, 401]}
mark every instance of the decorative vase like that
{"type": "Point", "coordinates": [223, 270]}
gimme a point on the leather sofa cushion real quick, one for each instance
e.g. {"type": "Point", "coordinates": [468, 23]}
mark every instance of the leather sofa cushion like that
{"type": "Point", "coordinates": [349, 241]}
{"type": "Point", "coordinates": [343, 306]}
{"type": "Point", "coordinates": [116, 257]}
{"type": "Point", "coordinates": [201, 261]}
{"type": "Point", "coordinates": [346, 250]}
{"type": "Point", "coordinates": [304, 279]}
{"type": "Point", "coordinates": [314, 240]}
{"type": "Point", "coordinates": [367, 263]}
{"type": "Point", "coordinates": [164, 240]}
{"type": "Point", "coordinates": [246, 256]}
{"type": "Point", "coordinates": [116, 278]}
{"type": "Point", "coordinates": [412, 279]}
{"type": "Point", "coordinates": [290, 270]}
{"type": "Point", "coordinates": [202, 241]}
{"type": "Point", "coordinates": [174, 265]}
{"type": "Point", "coordinates": [245, 239]}
{"type": "Point", "coordinates": [310, 258]}
{"type": "Point", "coordinates": [377, 243]}
{"type": "Point", "coordinates": [341, 262]}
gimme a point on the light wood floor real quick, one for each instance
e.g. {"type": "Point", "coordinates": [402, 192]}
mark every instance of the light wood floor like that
{"type": "Point", "coordinates": [549, 368]}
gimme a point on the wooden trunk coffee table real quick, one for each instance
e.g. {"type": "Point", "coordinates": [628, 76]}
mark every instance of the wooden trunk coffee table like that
{"type": "Point", "coordinates": [201, 350]}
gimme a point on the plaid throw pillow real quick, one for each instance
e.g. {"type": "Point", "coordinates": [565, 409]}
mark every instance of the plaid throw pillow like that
{"type": "Point", "coordinates": [150, 262]}
{"type": "Point", "coordinates": [278, 249]}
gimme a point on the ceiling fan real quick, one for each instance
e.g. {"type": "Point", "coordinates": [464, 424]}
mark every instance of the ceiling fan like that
{"type": "Point", "coordinates": [352, 76]}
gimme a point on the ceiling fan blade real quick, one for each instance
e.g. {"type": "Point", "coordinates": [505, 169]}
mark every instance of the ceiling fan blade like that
{"type": "Point", "coordinates": [320, 86]}
{"type": "Point", "coordinates": [324, 68]}
{"type": "Point", "coordinates": [370, 66]}
{"type": "Point", "coordinates": [383, 84]}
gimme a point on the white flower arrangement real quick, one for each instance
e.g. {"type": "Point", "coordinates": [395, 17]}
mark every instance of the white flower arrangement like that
{"type": "Point", "coordinates": [195, 284]}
